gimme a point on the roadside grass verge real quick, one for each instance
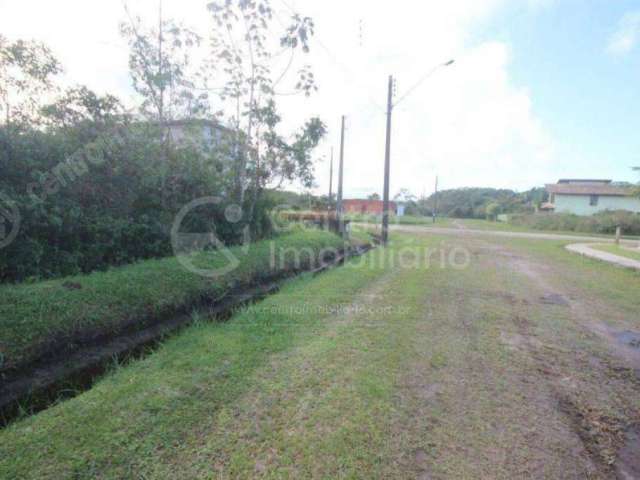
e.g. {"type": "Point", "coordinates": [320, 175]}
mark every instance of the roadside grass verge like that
{"type": "Point", "coordinates": [138, 417]}
{"type": "Point", "coordinates": [395, 220]}
{"type": "Point", "coordinates": [55, 316]}
{"type": "Point", "coordinates": [619, 285]}
{"type": "Point", "coordinates": [477, 224]}
{"type": "Point", "coordinates": [620, 251]}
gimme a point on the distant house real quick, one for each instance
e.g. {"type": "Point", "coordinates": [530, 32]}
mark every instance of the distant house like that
{"type": "Point", "coordinates": [367, 207]}
{"type": "Point", "coordinates": [586, 197]}
{"type": "Point", "coordinates": [200, 132]}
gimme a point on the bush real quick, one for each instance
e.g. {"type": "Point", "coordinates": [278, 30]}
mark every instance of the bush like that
{"type": "Point", "coordinates": [91, 197]}
{"type": "Point", "coordinates": [600, 223]}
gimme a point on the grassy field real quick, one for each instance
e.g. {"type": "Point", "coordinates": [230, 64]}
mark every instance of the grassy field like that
{"type": "Point", "coordinates": [404, 220]}
{"type": "Point", "coordinates": [617, 250]}
{"type": "Point", "coordinates": [141, 419]}
{"type": "Point", "coordinates": [35, 316]}
{"type": "Point", "coordinates": [496, 359]}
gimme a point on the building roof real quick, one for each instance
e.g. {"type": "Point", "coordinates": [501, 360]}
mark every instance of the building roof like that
{"type": "Point", "coordinates": [366, 201]}
{"type": "Point", "coordinates": [584, 181]}
{"type": "Point", "coordinates": [589, 188]}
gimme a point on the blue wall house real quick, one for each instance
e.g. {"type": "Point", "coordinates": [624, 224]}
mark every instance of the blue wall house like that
{"type": "Point", "coordinates": [586, 197]}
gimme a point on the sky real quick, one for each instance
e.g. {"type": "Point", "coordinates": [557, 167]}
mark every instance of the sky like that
{"type": "Point", "coordinates": [540, 89]}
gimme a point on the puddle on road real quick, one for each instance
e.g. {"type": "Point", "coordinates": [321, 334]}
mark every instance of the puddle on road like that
{"type": "Point", "coordinates": [628, 462]}
{"type": "Point", "coordinates": [629, 338]}
{"type": "Point", "coordinates": [554, 299]}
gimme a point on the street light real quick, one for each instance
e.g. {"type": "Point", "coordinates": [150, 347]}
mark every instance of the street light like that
{"type": "Point", "coordinates": [429, 73]}
{"type": "Point", "coordinates": [387, 153]}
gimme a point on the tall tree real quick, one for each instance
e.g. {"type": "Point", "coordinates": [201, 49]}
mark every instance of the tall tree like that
{"type": "Point", "coordinates": [27, 70]}
{"type": "Point", "coordinates": [255, 66]}
{"type": "Point", "coordinates": [160, 63]}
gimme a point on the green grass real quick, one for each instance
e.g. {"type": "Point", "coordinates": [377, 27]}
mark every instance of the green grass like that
{"type": "Point", "coordinates": [395, 220]}
{"type": "Point", "coordinates": [421, 376]}
{"type": "Point", "coordinates": [478, 224]}
{"type": "Point", "coordinates": [600, 278]}
{"type": "Point", "coordinates": [33, 317]}
{"type": "Point", "coordinates": [145, 417]}
{"type": "Point", "coordinates": [620, 251]}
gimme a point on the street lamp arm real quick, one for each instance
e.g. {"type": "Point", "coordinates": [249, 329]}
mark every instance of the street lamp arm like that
{"type": "Point", "coordinates": [421, 81]}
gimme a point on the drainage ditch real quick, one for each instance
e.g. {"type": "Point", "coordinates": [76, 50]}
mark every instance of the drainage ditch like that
{"type": "Point", "coordinates": [39, 386]}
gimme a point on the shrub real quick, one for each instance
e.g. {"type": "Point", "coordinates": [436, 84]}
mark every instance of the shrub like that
{"type": "Point", "coordinates": [600, 223]}
{"type": "Point", "coordinates": [92, 198]}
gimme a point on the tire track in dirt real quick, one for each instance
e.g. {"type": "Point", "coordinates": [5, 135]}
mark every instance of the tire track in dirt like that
{"type": "Point", "coordinates": [472, 413]}
{"type": "Point", "coordinates": [605, 421]}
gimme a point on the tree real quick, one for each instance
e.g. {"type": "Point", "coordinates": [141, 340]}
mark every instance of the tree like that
{"type": "Point", "coordinates": [405, 196]}
{"type": "Point", "coordinates": [160, 66]}
{"type": "Point", "coordinates": [492, 211]}
{"type": "Point", "coordinates": [244, 55]}
{"type": "Point", "coordinates": [159, 63]}
{"type": "Point", "coordinates": [637, 189]}
{"type": "Point", "coordinates": [373, 196]}
{"type": "Point", "coordinates": [81, 105]}
{"type": "Point", "coordinates": [27, 70]}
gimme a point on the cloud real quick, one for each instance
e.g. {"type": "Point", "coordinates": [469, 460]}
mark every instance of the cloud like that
{"type": "Point", "coordinates": [627, 35]}
{"type": "Point", "coordinates": [469, 123]}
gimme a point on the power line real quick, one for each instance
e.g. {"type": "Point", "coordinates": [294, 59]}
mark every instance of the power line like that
{"type": "Point", "coordinates": [342, 66]}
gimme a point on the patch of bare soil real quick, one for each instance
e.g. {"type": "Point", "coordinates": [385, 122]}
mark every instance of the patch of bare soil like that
{"type": "Point", "coordinates": [554, 299]}
{"type": "Point", "coordinates": [600, 433]}
{"type": "Point", "coordinates": [628, 467]}
{"type": "Point", "coordinates": [595, 391]}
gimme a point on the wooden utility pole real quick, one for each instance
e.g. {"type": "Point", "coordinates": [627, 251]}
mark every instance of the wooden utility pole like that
{"type": "Point", "coordinates": [387, 166]}
{"type": "Point", "coordinates": [331, 180]}
{"type": "Point", "coordinates": [435, 202]}
{"type": "Point", "coordinates": [339, 208]}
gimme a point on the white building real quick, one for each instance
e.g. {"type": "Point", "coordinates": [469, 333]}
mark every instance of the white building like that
{"type": "Point", "coordinates": [586, 197]}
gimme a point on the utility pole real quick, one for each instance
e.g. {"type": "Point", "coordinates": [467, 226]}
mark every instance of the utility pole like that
{"type": "Point", "coordinates": [339, 211]}
{"type": "Point", "coordinates": [435, 202]}
{"type": "Point", "coordinates": [331, 180]}
{"type": "Point", "coordinates": [387, 166]}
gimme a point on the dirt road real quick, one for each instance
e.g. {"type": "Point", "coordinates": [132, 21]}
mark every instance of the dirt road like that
{"type": "Point", "coordinates": [505, 369]}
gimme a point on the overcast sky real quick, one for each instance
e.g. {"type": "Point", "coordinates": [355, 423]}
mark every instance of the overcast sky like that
{"type": "Point", "coordinates": [540, 89]}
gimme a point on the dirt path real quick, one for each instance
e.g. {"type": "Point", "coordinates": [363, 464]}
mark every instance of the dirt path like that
{"type": "Point", "coordinates": [498, 370]}
{"type": "Point", "coordinates": [565, 405]}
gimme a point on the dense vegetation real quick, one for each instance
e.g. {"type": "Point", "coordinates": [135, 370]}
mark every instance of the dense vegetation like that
{"type": "Point", "coordinates": [100, 196]}
{"type": "Point", "coordinates": [37, 317]}
{"type": "Point", "coordinates": [602, 223]}
{"type": "Point", "coordinates": [477, 202]}
{"type": "Point", "coordinates": [87, 183]}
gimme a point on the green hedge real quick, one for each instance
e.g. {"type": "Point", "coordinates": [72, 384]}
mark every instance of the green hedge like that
{"type": "Point", "coordinates": [601, 223]}
{"type": "Point", "coordinates": [37, 317]}
{"type": "Point", "coordinates": [96, 196]}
